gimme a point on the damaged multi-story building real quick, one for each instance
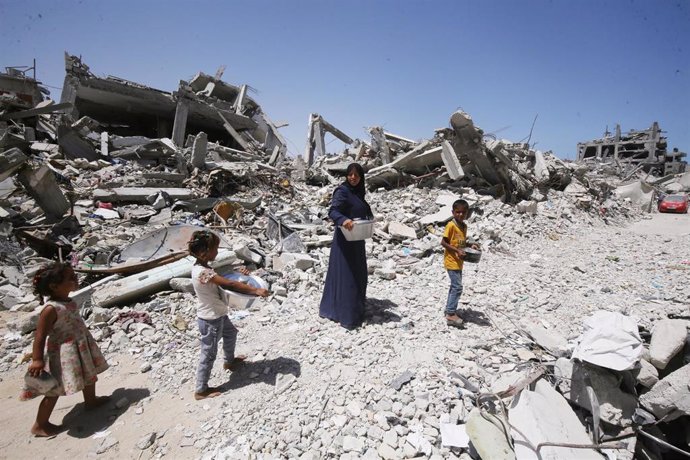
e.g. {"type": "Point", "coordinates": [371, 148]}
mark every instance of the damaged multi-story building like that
{"type": "Point", "coordinates": [646, 149]}
{"type": "Point", "coordinates": [205, 103]}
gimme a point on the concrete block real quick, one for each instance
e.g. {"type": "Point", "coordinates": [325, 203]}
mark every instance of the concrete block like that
{"type": "Point", "coordinates": [668, 338]}
{"type": "Point", "coordinates": [551, 340]}
{"type": "Point", "coordinates": [647, 375]}
{"type": "Point", "coordinates": [10, 161]}
{"type": "Point", "coordinates": [41, 185]}
{"type": "Point", "coordinates": [451, 161]}
{"type": "Point", "coordinates": [401, 231]}
{"type": "Point", "coordinates": [527, 207]}
{"type": "Point", "coordinates": [287, 259]}
{"type": "Point", "coordinates": [199, 149]}
{"type": "Point", "coordinates": [616, 407]}
{"type": "Point", "coordinates": [670, 397]}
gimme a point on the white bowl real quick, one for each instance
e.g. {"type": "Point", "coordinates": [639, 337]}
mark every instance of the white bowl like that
{"type": "Point", "coordinates": [361, 230]}
{"type": "Point", "coordinates": [237, 300]}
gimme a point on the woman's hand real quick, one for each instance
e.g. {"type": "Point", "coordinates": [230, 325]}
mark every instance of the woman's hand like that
{"type": "Point", "coordinates": [36, 367]}
{"type": "Point", "coordinates": [348, 224]}
{"type": "Point", "coordinates": [262, 292]}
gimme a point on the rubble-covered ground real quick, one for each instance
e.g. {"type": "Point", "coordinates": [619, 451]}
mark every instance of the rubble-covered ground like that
{"type": "Point", "coordinates": [312, 389]}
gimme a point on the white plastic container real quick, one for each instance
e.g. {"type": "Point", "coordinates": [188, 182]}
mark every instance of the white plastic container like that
{"type": "Point", "coordinates": [361, 230]}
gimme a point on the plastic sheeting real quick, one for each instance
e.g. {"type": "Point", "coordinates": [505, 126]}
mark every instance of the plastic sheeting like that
{"type": "Point", "coordinates": [610, 340]}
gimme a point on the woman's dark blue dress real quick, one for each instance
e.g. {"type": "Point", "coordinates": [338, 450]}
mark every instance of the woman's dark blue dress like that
{"type": "Point", "coordinates": [346, 282]}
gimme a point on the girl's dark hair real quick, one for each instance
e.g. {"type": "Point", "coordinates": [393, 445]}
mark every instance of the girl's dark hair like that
{"type": "Point", "coordinates": [50, 274]}
{"type": "Point", "coordinates": [202, 241]}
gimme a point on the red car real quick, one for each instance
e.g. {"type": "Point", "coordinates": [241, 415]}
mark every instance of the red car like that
{"type": "Point", "coordinates": [674, 203]}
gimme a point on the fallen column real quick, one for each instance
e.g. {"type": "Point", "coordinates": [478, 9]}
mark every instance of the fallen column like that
{"type": "Point", "coordinates": [199, 150]}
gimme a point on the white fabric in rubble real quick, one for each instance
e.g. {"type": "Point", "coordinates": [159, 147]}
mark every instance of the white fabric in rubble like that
{"type": "Point", "coordinates": [609, 340]}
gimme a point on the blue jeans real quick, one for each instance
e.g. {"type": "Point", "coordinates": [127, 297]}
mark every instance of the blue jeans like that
{"type": "Point", "coordinates": [211, 332]}
{"type": "Point", "coordinates": [454, 292]}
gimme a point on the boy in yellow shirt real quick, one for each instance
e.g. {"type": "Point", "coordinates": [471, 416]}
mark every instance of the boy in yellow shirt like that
{"type": "Point", "coordinates": [453, 242]}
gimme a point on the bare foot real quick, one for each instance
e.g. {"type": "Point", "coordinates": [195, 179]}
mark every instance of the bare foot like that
{"type": "Point", "coordinates": [211, 392]}
{"type": "Point", "coordinates": [98, 402]}
{"type": "Point", "coordinates": [45, 431]}
{"type": "Point", "coordinates": [239, 359]}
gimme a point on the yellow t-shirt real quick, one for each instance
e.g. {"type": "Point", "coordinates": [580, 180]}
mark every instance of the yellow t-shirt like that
{"type": "Point", "coordinates": [456, 236]}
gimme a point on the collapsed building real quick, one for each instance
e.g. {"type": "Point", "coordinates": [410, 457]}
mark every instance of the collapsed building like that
{"type": "Point", "coordinates": [123, 158]}
{"type": "Point", "coordinates": [459, 155]}
{"type": "Point", "coordinates": [205, 103]}
{"type": "Point", "coordinates": [644, 149]}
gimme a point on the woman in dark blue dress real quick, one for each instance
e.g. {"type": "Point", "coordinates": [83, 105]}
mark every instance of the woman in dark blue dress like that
{"type": "Point", "coordinates": [346, 282]}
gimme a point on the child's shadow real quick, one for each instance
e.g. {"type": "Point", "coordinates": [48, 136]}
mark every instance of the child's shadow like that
{"type": "Point", "coordinates": [81, 423]}
{"type": "Point", "coordinates": [265, 371]}
{"type": "Point", "coordinates": [474, 316]}
{"type": "Point", "coordinates": [377, 311]}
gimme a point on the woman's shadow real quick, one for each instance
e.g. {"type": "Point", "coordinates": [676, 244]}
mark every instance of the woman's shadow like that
{"type": "Point", "coordinates": [82, 423]}
{"type": "Point", "coordinates": [378, 311]}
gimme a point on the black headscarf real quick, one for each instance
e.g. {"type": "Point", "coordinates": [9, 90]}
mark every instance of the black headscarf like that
{"type": "Point", "coordinates": [359, 190]}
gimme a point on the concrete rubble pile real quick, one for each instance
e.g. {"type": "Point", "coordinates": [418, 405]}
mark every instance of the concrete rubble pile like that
{"type": "Point", "coordinates": [118, 177]}
{"type": "Point", "coordinates": [458, 155]}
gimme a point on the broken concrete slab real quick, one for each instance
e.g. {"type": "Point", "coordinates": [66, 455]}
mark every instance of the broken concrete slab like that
{"type": "Point", "coordinates": [444, 214]}
{"type": "Point", "coordinates": [400, 231]}
{"type": "Point", "coordinates": [453, 435]}
{"type": "Point", "coordinates": [668, 339]}
{"type": "Point", "coordinates": [451, 161]}
{"type": "Point", "coordinates": [530, 427]}
{"type": "Point", "coordinates": [549, 339]}
{"type": "Point", "coordinates": [398, 382]}
{"type": "Point", "coordinates": [646, 375]}
{"type": "Point", "coordinates": [489, 435]}
{"type": "Point", "coordinates": [74, 146]}
{"type": "Point", "coordinates": [42, 186]}
{"type": "Point", "coordinates": [10, 162]}
{"type": "Point", "coordinates": [639, 193]}
{"type": "Point", "coordinates": [541, 171]}
{"type": "Point", "coordinates": [379, 143]}
{"type": "Point", "coordinates": [139, 194]}
{"type": "Point", "coordinates": [120, 142]}
{"type": "Point", "coordinates": [38, 110]}
{"type": "Point", "coordinates": [199, 150]}
{"type": "Point", "coordinates": [297, 260]}
{"type": "Point", "coordinates": [616, 407]}
{"type": "Point", "coordinates": [670, 397]}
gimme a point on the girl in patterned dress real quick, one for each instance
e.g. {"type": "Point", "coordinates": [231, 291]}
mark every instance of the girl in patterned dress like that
{"type": "Point", "coordinates": [63, 346]}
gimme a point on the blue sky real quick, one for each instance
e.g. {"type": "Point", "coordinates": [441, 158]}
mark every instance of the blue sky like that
{"type": "Point", "coordinates": [406, 65]}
